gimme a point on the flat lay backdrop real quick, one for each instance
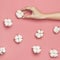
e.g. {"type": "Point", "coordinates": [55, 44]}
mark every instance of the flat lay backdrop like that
{"type": "Point", "coordinates": [27, 29]}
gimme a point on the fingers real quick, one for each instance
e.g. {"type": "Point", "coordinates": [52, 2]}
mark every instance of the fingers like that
{"type": "Point", "coordinates": [28, 8]}
{"type": "Point", "coordinates": [32, 9]}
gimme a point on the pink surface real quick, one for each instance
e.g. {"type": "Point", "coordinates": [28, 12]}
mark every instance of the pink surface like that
{"type": "Point", "coordinates": [27, 28]}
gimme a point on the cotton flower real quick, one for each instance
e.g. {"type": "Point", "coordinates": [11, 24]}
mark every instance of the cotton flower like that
{"type": "Point", "coordinates": [19, 14]}
{"type": "Point", "coordinates": [53, 53]}
{"type": "Point", "coordinates": [36, 49]}
{"type": "Point", "coordinates": [7, 22]}
{"type": "Point", "coordinates": [18, 38]}
{"type": "Point", "coordinates": [56, 29]}
{"type": "Point", "coordinates": [39, 33]}
{"type": "Point", "coordinates": [2, 50]}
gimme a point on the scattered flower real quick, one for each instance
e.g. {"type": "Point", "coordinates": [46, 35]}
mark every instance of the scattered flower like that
{"type": "Point", "coordinates": [56, 29]}
{"type": "Point", "coordinates": [18, 38]}
{"type": "Point", "coordinates": [39, 33]}
{"type": "Point", "coordinates": [19, 14]}
{"type": "Point", "coordinates": [7, 22]}
{"type": "Point", "coordinates": [36, 49]}
{"type": "Point", "coordinates": [53, 53]}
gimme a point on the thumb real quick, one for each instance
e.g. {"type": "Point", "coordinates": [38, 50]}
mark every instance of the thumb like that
{"type": "Point", "coordinates": [28, 16]}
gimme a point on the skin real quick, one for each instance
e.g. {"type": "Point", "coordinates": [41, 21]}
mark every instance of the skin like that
{"type": "Point", "coordinates": [36, 14]}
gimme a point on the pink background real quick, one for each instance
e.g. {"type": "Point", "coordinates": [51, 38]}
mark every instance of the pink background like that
{"type": "Point", "coordinates": [27, 29]}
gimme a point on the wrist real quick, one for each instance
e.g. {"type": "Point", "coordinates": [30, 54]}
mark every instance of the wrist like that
{"type": "Point", "coordinates": [45, 16]}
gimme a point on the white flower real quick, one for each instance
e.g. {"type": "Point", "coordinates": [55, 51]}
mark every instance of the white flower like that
{"type": "Point", "coordinates": [2, 50]}
{"type": "Point", "coordinates": [39, 33]}
{"type": "Point", "coordinates": [56, 29]}
{"type": "Point", "coordinates": [18, 38]}
{"type": "Point", "coordinates": [19, 14]}
{"type": "Point", "coordinates": [7, 22]}
{"type": "Point", "coordinates": [36, 49]}
{"type": "Point", "coordinates": [53, 53]}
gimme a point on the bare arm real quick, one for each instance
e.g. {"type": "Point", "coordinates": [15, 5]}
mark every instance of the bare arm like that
{"type": "Point", "coordinates": [53, 16]}
{"type": "Point", "coordinates": [36, 14]}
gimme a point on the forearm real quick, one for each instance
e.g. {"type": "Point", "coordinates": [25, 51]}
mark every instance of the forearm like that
{"type": "Point", "coordinates": [54, 16]}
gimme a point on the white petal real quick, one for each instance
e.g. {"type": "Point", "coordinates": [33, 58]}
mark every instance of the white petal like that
{"type": "Point", "coordinates": [9, 24]}
{"type": "Point", "coordinates": [51, 51]}
{"type": "Point", "coordinates": [52, 55]}
{"type": "Point", "coordinates": [37, 35]}
{"type": "Point", "coordinates": [20, 36]}
{"type": "Point", "coordinates": [38, 47]}
{"type": "Point", "coordinates": [16, 37]}
{"type": "Point", "coordinates": [3, 49]}
{"type": "Point", "coordinates": [40, 31]}
{"type": "Point", "coordinates": [56, 55]}
{"type": "Point", "coordinates": [41, 35]}
{"type": "Point", "coordinates": [55, 51]}
{"type": "Point", "coordinates": [38, 51]}
{"type": "Point", "coordinates": [18, 40]}
{"type": "Point", "coordinates": [34, 51]}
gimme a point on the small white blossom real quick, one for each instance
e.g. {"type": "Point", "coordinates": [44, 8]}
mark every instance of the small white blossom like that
{"type": "Point", "coordinates": [56, 29]}
{"type": "Point", "coordinates": [18, 38]}
{"type": "Point", "coordinates": [39, 33]}
{"type": "Point", "coordinates": [19, 14]}
{"type": "Point", "coordinates": [36, 49]}
{"type": "Point", "coordinates": [2, 50]}
{"type": "Point", "coordinates": [7, 22]}
{"type": "Point", "coordinates": [53, 53]}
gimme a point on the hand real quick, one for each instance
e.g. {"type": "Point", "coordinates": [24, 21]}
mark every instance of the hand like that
{"type": "Point", "coordinates": [36, 14]}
